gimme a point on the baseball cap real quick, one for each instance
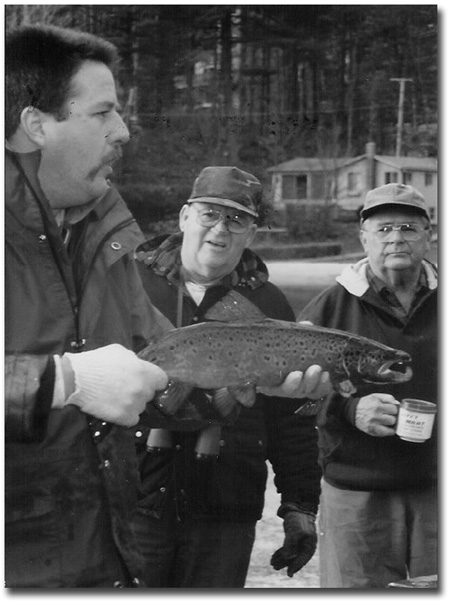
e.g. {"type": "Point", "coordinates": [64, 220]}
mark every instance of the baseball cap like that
{"type": "Point", "coordinates": [397, 195]}
{"type": "Point", "coordinates": [228, 186]}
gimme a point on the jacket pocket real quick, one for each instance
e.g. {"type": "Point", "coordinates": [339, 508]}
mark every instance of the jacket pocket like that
{"type": "Point", "coordinates": [31, 541]}
{"type": "Point", "coordinates": [154, 504]}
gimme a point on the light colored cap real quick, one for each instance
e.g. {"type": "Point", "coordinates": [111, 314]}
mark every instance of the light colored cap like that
{"type": "Point", "coordinates": [394, 194]}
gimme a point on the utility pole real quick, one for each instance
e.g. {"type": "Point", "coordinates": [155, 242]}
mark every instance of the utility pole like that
{"type": "Point", "coordinates": [398, 146]}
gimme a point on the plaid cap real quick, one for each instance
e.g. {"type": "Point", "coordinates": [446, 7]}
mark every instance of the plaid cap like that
{"type": "Point", "coordinates": [394, 194]}
{"type": "Point", "coordinates": [228, 186]}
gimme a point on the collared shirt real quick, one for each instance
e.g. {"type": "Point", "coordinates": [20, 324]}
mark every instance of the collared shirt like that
{"type": "Point", "coordinates": [387, 294]}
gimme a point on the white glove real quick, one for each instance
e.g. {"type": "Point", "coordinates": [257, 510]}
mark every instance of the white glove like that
{"type": "Point", "coordinates": [113, 384]}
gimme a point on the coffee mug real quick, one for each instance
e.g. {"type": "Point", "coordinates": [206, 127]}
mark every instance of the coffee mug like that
{"type": "Point", "coordinates": [415, 420]}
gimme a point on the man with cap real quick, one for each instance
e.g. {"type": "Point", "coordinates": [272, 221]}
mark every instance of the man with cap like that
{"type": "Point", "coordinates": [196, 521]}
{"type": "Point", "coordinates": [378, 507]}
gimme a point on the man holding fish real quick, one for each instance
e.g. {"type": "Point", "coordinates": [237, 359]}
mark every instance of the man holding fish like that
{"type": "Point", "coordinates": [196, 522]}
{"type": "Point", "coordinates": [378, 507]}
{"type": "Point", "coordinates": [75, 311]}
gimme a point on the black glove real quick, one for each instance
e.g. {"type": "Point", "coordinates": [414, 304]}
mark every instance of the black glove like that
{"type": "Point", "coordinates": [300, 540]}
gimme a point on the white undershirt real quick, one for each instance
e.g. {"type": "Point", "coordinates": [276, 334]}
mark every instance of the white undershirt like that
{"type": "Point", "coordinates": [197, 291]}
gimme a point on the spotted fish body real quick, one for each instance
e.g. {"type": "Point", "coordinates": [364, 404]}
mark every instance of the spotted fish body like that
{"type": "Point", "coordinates": [245, 355]}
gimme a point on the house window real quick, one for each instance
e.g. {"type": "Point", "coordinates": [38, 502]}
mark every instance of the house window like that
{"type": "Point", "coordinates": [428, 179]}
{"type": "Point", "coordinates": [407, 178]}
{"type": "Point", "coordinates": [390, 177]}
{"type": "Point", "coordinates": [295, 187]}
{"type": "Point", "coordinates": [353, 182]}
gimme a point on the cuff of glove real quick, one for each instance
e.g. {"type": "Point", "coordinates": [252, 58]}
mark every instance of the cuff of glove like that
{"type": "Point", "coordinates": [89, 378]}
{"type": "Point", "coordinates": [304, 508]}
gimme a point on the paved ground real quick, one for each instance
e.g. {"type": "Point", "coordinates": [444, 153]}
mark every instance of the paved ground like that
{"type": "Point", "coordinates": [269, 537]}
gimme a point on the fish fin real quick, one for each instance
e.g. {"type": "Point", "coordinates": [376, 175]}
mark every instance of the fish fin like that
{"type": "Point", "coordinates": [308, 408]}
{"type": "Point", "coordinates": [346, 388]}
{"type": "Point", "coordinates": [223, 401]}
{"type": "Point", "coordinates": [245, 394]}
{"type": "Point", "coordinates": [172, 398]}
{"type": "Point", "coordinates": [234, 307]}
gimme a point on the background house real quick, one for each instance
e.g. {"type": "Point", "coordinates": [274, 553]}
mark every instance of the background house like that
{"type": "Point", "coordinates": [344, 182]}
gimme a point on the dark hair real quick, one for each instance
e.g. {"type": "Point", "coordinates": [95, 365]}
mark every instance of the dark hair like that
{"type": "Point", "coordinates": [40, 62]}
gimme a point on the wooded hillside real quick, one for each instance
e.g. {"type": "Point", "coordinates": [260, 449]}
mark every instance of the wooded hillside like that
{"type": "Point", "coordinates": [254, 85]}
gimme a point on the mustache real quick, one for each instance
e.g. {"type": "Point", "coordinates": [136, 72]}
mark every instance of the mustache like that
{"type": "Point", "coordinates": [109, 159]}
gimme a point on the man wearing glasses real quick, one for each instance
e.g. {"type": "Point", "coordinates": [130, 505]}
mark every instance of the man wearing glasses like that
{"type": "Point", "coordinates": [196, 524]}
{"type": "Point", "coordinates": [378, 507]}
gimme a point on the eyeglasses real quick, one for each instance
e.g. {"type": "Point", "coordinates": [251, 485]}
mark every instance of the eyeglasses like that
{"type": "Point", "coordinates": [409, 232]}
{"type": "Point", "coordinates": [234, 221]}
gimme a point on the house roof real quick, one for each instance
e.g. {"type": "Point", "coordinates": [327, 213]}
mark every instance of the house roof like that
{"type": "Point", "coordinates": [316, 164]}
{"type": "Point", "coordinates": [310, 164]}
{"type": "Point", "coordinates": [409, 163]}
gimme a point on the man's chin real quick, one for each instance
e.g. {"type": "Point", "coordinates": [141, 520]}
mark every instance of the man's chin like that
{"type": "Point", "coordinates": [399, 263]}
{"type": "Point", "coordinates": [101, 186]}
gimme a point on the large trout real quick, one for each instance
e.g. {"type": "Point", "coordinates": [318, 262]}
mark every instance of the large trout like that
{"type": "Point", "coordinates": [238, 357]}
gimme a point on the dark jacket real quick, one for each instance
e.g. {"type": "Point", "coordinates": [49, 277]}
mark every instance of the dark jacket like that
{"type": "Point", "coordinates": [70, 480]}
{"type": "Point", "coordinates": [231, 488]}
{"type": "Point", "coordinates": [350, 458]}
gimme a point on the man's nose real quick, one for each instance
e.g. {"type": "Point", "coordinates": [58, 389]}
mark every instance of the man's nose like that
{"type": "Point", "coordinates": [221, 225]}
{"type": "Point", "coordinates": [119, 131]}
{"type": "Point", "coordinates": [396, 235]}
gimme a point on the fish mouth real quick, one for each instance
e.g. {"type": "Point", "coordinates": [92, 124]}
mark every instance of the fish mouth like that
{"type": "Point", "coordinates": [393, 371]}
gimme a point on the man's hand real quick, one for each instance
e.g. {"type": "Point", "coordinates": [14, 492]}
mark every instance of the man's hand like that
{"type": "Point", "coordinates": [376, 414]}
{"type": "Point", "coordinates": [313, 384]}
{"type": "Point", "coordinates": [300, 542]}
{"type": "Point", "coordinates": [113, 384]}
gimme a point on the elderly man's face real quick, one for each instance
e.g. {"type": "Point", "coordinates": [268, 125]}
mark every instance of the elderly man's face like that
{"type": "Point", "coordinates": [210, 253]}
{"type": "Point", "coordinates": [396, 253]}
{"type": "Point", "coordinates": [78, 152]}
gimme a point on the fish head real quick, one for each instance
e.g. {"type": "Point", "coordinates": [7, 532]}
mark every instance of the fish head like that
{"type": "Point", "coordinates": [367, 361]}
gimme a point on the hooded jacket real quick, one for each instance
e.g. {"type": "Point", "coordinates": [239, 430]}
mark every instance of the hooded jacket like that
{"type": "Point", "coordinates": [71, 481]}
{"type": "Point", "coordinates": [350, 458]}
{"type": "Point", "coordinates": [231, 488]}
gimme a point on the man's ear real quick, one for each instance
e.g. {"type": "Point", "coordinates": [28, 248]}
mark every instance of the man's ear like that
{"type": "Point", "coordinates": [31, 121]}
{"type": "Point", "coordinates": [251, 234]}
{"type": "Point", "coordinates": [363, 239]}
{"type": "Point", "coordinates": [183, 216]}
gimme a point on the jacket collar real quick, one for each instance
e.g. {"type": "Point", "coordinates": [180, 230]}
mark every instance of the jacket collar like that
{"type": "Point", "coordinates": [354, 277]}
{"type": "Point", "coordinates": [163, 255]}
{"type": "Point", "coordinates": [108, 214]}
{"type": "Point", "coordinates": [29, 164]}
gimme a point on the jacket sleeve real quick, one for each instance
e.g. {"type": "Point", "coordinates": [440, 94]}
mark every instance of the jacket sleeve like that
{"type": "Point", "coordinates": [293, 453]}
{"type": "Point", "coordinates": [29, 383]}
{"type": "Point", "coordinates": [322, 311]}
{"type": "Point", "coordinates": [147, 320]}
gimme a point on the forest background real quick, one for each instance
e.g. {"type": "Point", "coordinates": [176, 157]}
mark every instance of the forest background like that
{"type": "Point", "coordinates": [255, 85]}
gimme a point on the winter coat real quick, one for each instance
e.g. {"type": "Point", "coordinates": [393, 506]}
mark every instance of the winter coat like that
{"type": "Point", "coordinates": [231, 488]}
{"type": "Point", "coordinates": [70, 480]}
{"type": "Point", "coordinates": [350, 458]}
